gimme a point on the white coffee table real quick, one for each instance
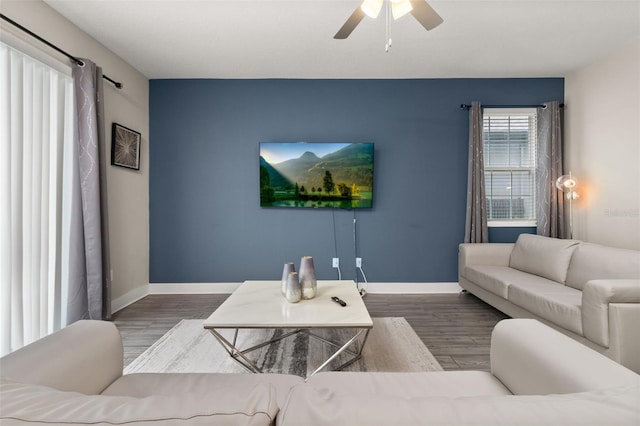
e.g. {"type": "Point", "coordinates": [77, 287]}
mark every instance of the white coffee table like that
{"type": "Point", "coordinates": [260, 304]}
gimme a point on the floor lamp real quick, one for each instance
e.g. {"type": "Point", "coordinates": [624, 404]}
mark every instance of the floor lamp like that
{"type": "Point", "coordinates": [567, 184]}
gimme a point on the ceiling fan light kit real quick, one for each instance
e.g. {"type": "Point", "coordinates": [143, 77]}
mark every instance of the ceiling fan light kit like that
{"type": "Point", "coordinates": [420, 9]}
{"type": "Point", "coordinates": [399, 8]}
{"type": "Point", "coordinates": [371, 8]}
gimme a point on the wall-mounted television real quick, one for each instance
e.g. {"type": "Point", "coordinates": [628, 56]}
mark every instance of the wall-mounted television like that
{"type": "Point", "coordinates": [316, 174]}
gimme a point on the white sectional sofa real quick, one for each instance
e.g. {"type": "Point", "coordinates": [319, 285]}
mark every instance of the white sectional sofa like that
{"type": "Point", "coordinates": [538, 377]}
{"type": "Point", "coordinates": [587, 291]}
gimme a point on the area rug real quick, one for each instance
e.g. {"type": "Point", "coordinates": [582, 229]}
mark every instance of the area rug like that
{"type": "Point", "coordinates": [392, 346]}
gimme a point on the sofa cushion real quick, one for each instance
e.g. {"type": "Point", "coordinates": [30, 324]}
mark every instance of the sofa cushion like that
{"type": "Point", "coordinates": [24, 403]}
{"type": "Point", "coordinates": [543, 256]}
{"type": "Point", "coordinates": [596, 262]}
{"type": "Point", "coordinates": [141, 385]}
{"type": "Point", "coordinates": [309, 405]}
{"type": "Point", "coordinates": [497, 279]}
{"type": "Point", "coordinates": [553, 302]}
{"type": "Point", "coordinates": [412, 385]}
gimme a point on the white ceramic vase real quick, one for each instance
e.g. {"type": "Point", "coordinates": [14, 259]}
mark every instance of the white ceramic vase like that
{"type": "Point", "coordinates": [307, 278]}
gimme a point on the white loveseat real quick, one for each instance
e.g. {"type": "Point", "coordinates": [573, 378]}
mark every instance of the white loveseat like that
{"type": "Point", "coordinates": [538, 376]}
{"type": "Point", "coordinates": [587, 291]}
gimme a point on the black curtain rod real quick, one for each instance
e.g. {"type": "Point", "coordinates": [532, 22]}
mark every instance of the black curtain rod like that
{"type": "Point", "coordinates": [53, 46]}
{"type": "Point", "coordinates": [467, 106]}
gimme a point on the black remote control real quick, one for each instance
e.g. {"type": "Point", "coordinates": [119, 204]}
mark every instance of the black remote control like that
{"type": "Point", "coordinates": [339, 301]}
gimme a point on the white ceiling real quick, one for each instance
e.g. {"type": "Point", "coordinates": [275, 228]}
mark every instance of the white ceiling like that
{"type": "Point", "coordinates": [294, 39]}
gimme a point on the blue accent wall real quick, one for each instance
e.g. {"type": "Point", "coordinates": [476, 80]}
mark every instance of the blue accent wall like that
{"type": "Point", "coordinates": [508, 235]}
{"type": "Point", "coordinates": [206, 224]}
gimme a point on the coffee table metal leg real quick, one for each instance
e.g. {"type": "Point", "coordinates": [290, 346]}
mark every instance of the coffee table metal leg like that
{"type": "Point", "coordinates": [331, 343]}
{"type": "Point", "coordinates": [235, 337]}
{"type": "Point", "coordinates": [344, 347]}
{"type": "Point", "coordinates": [236, 354]}
{"type": "Point", "coordinates": [357, 355]}
{"type": "Point", "coordinates": [239, 356]}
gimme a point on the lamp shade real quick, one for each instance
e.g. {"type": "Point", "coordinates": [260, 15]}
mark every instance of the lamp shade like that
{"type": "Point", "coordinates": [566, 183]}
{"type": "Point", "coordinates": [371, 7]}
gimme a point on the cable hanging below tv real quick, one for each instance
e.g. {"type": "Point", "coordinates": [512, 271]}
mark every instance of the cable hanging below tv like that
{"type": "Point", "coordinates": [316, 174]}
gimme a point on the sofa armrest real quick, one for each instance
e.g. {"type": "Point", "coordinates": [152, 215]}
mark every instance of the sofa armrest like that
{"type": "Point", "coordinates": [497, 254]}
{"type": "Point", "coordinates": [596, 297]}
{"type": "Point", "coordinates": [84, 357]}
{"type": "Point", "coordinates": [530, 358]}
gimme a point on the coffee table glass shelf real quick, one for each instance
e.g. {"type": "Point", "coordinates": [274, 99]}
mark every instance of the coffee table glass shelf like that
{"type": "Point", "coordinates": [260, 304]}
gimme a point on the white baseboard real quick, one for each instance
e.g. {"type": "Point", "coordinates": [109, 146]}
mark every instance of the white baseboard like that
{"type": "Point", "coordinates": [373, 288]}
{"type": "Point", "coordinates": [129, 298]}
{"type": "Point", "coordinates": [411, 288]}
{"type": "Point", "coordinates": [228, 288]}
{"type": "Point", "coordinates": [193, 288]}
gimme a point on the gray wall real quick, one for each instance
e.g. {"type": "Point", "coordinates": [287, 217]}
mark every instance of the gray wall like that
{"type": "Point", "coordinates": [206, 224]}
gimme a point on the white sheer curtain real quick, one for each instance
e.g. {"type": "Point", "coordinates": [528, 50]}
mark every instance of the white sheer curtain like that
{"type": "Point", "coordinates": [37, 169]}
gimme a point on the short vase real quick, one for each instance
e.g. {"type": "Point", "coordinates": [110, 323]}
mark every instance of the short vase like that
{"type": "Point", "coordinates": [288, 268]}
{"type": "Point", "coordinates": [293, 290]}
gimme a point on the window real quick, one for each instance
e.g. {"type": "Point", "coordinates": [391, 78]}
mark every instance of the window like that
{"type": "Point", "coordinates": [36, 151]}
{"type": "Point", "coordinates": [509, 143]}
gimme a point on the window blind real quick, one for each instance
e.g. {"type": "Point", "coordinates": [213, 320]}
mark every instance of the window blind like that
{"type": "Point", "coordinates": [509, 143]}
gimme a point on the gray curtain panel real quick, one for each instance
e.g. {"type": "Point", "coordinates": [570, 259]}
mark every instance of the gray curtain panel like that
{"type": "Point", "coordinates": [89, 293]}
{"type": "Point", "coordinates": [476, 229]}
{"type": "Point", "coordinates": [550, 201]}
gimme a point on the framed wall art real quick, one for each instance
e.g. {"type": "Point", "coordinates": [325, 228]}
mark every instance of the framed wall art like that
{"type": "Point", "coordinates": [125, 147]}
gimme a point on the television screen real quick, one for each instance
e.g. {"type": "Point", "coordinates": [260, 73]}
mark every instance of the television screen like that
{"type": "Point", "coordinates": [316, 174]}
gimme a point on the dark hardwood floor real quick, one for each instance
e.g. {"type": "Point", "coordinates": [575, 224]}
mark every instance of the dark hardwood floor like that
{"type": "Point", "coordinates": [455, 328]}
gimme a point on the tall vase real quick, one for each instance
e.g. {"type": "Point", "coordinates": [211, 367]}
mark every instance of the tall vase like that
{"type": "Point", "coordinates": [288, 268]}
{"type": "Point", "coordinates": [293, 291]}
{"type": "Point", "coordinates": [307, 277]}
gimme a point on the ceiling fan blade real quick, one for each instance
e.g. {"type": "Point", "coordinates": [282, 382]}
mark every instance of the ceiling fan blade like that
{"type": "Point", "coordinates": [425, 14]}
{"type": "Point", "coordinates": [351, 24]}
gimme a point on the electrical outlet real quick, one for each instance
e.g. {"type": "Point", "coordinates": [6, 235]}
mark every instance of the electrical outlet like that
{"type": "Point", "coordinates": [358, 262]}
{"type": "Point", "coordinates": [336, 262]}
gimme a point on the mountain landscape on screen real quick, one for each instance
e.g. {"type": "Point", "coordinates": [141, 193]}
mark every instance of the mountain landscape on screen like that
{"type": "Point", "coordinates": [302, 174]}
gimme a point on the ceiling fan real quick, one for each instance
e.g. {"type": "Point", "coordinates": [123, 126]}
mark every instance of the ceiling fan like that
{"type": "Point", "coordinates": [420, 10]}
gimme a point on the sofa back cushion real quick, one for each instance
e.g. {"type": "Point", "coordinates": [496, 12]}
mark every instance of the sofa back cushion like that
{"type": "Point", "coordinates": [596, 262]}
{"type": "Point", "coordinates": [543, 256]}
